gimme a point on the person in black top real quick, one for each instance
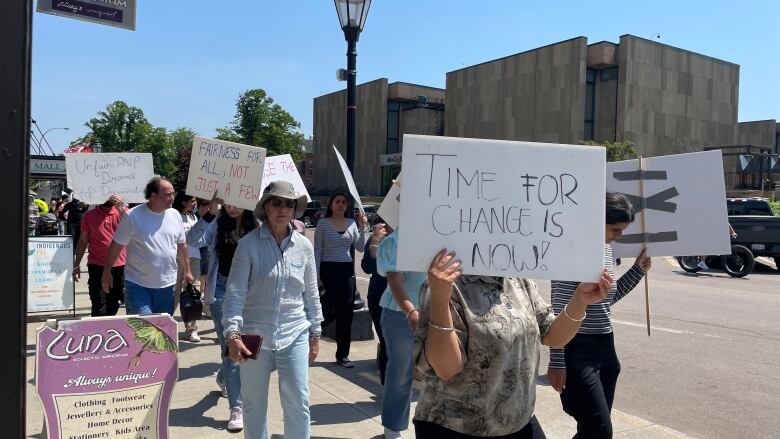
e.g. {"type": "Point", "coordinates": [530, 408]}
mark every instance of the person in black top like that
{"type": "Point", "coordinates": [376, 286]}
{"type": "Point", "coordinates": [73, 212]}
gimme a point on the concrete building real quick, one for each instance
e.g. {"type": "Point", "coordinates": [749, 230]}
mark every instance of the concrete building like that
{"type": "Point", "coordinates": [385, 112]}
{"type": "Point", "coordinates": [664, 99]}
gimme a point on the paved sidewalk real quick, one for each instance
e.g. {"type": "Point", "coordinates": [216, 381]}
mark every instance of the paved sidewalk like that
{"type": "Point", "coordinates": [345, 403]}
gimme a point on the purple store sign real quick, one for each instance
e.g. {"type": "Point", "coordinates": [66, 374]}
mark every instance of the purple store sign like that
{"type": "Point", "coordinates": [107, 377]}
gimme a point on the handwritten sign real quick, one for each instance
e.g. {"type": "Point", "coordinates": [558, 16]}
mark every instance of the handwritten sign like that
{"type": "Point", "coordinates": [350, 181]}
{"type": "Point", "coordinates": [107, 377]}
{"type": "Point", "coordinates": [233, 170]}
{"type": "Point", "coordinates": [282, 167]}
{"type": "Point", "coordinates": [50, 273]}
{"type": "Point", "coordinates": [391, 205]}
{"type": "Point", "coordinates": [685, 205]}
{"type": "Point", "coordinates": [95, 177]}
{"type": "Point", "coordinates": [506, 208]}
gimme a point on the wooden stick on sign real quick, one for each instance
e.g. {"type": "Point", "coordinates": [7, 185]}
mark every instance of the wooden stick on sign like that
{"type": "Point", "coordinates": [644, 236]}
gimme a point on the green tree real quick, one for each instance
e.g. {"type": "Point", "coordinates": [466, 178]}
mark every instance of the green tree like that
{"type": "Point", "coordinates": [616, 151]}
{"type": "Point", "coordinates": [261, 122]}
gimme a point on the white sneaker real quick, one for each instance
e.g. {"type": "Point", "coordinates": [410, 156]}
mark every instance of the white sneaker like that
{"type": "Point", "coordinates": [392, 434]}
{"type": "Point", "coordinates": [236, 422]}
{"type": "Point", "coordinates": [702, 265]}
{"type": "Point", "coordinates": [194, 337]}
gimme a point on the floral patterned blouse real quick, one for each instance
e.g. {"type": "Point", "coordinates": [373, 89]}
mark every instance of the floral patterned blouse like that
{"type": "Point", "coordinates": [499, 323]}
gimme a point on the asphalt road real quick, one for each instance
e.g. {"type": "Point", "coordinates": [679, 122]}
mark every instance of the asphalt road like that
{"type": "Point", "coordinates": [710, 367]}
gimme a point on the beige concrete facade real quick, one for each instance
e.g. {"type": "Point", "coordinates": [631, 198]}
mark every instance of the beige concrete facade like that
{"type": "Point", "coordinates": [758, 133]}
{"type": "Point", "coordinates": [417, 110]}
{"type": "Point", "coordinates": [538, 95]}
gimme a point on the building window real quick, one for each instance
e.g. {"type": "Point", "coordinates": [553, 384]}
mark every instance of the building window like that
{"type": "Point", "coordinates": [393, 116]}
{"type": "Point", "coordinates": [590, 103]}
{"type": "Point", "coordinates": [609, 74]}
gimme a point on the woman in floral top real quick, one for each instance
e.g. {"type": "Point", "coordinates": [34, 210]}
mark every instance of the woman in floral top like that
{"type": "Point", "coordinates": [477, 345]}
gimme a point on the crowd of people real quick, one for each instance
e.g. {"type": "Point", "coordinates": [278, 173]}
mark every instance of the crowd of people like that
{"type": "Point", "coordinates": [472, 341]}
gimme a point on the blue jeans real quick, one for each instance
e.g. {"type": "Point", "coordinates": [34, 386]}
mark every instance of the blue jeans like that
{"type": "Point", "coordinates": [229, 373]}
{"type": "Point", "coordinates": [399, 340]}
{"type": "Point", "coordinates": [142, 300]}
{"type": "Point", "coordinates": [292, 363]}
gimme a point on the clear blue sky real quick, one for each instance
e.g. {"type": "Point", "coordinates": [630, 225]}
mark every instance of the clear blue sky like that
{"type": "Point", "coordinates": [187, 62]}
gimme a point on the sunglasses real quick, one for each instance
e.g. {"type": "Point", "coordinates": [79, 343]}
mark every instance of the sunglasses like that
{"type": "Point", "coordinates": [275, 202]}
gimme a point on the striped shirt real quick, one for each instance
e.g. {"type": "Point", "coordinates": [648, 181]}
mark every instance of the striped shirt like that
{"type": "Point", "coordinates": [597, 320]}
{"type": "Point", "coordinates": [333, 246]}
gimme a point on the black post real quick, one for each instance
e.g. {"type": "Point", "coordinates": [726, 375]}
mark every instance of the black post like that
{"type": "Point", "coordinates": [351, 79]}
{"type": "Point", "coordinates": [16, 31]}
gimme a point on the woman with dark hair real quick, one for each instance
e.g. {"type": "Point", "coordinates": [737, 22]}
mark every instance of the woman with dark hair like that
{"type": "Point", "coordinates": [585, 372]}
{"type": "Point", "coordinates": [185, 205]}
{"type": "Point", "coordinates": [376, 286]}
{"type": "Point", "coordinates": [335, 239]}
{"type": "Point", "coordinates": [222, 236]}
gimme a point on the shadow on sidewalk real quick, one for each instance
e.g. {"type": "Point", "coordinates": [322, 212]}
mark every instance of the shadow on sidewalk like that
{"type": "Point", "coordinates": [201, 370]}
{"type": "Point", "coordinates": [194, 416]}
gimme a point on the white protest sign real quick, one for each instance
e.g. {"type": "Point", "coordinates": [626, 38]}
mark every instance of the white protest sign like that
{"type": "Point", "coordinates": [685, 200]}
{"type": "Point", "coordinates": [350, 181]}
{"type": "Point", "coordinates": [391, 205]}
{"type": "Point", "coordinates": [95, 177]}
{"type": "Point", "coordinates": [506, 208]}
{"type": "Point", "coordinates": [233, 170]}
{"type": "Point", "coordinates": [282, 167]}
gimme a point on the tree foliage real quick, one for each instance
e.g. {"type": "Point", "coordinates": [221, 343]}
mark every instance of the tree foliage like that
{"type": "Point", "coordinates": [261, 122]}
{"type": "Point", "coordinates": [124, 128]}
{"type": "Point", "coordinates": [616, 151]}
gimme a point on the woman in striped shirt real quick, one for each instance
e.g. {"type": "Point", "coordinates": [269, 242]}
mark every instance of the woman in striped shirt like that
{"type": "Point", "coordinates": [585, 372]}
{"type": "Point", "coordinates": [335, 237]}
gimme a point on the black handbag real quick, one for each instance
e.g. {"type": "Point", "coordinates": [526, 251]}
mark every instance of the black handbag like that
{"type": "Point", "coordinates": [190, 304]}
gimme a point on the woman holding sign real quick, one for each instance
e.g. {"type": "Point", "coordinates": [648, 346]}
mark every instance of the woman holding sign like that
{"type": "Point", "coordinates": [477, 346]}
{"type": "Point", "coordinates": [335, 240]}
{"type": "Point", "coordinates": [221, 229]}
{"type": "Point", "coordinates": [585, 372]}
{"type": "Point", "coordinates": [272, 299]}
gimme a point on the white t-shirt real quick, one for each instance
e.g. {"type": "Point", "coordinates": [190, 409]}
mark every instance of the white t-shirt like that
{"type": "Point", "coordinates": [152, 241]}
{"type": "Point", "coordinates": [188, 221]}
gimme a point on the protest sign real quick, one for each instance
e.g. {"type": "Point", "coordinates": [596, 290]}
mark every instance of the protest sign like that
{"type": "Point", "coordinates": [684, 205]}
{"type": "Point", "coordinates": [350, 181]}
{"type": "Point", "coordinates": [107, 377]}
{"type": "Point", "coordinates": [282, 167]}
{"type": "Point", "coordinates": [506, 208]}
{"type": "Point", "coordinates": [95, 177]}
{"type": "Point", "coordinates": [233, 170]}
{"type": "Point", "coordinates": [391, 205]}
{"type": "Point", "coordinates": [50, 273]}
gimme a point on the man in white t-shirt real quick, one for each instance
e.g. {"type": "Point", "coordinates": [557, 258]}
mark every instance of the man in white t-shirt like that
{"type": "Point", "coordinates": [154, 237]}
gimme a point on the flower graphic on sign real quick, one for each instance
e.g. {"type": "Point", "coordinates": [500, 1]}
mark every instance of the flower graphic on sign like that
{"type": "Point", "coordinates": [151, 338]}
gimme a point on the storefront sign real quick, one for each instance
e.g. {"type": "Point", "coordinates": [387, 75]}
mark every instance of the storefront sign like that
{"type": "Point", "coordinates": [47, 166]}
{"type": "Point", "coordinates": [118, 13]}
{"type": "Point", "coordinates": [390, 159]}
{"type": "Point", "coordinates": [50, 273]}
{"type": "Point", "coordinates": [107, 377]}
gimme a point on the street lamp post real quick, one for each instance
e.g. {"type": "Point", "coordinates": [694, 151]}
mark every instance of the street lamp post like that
{"type": "Point", "coordinates": [352, 17]}
{"type": "Point", "coordinates": [43, 136]}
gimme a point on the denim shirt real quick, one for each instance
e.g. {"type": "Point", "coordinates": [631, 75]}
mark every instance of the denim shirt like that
{"type": "Point", "coordinates": [386, 257]}
{"type": "Point", "coordinates": [272, 291]}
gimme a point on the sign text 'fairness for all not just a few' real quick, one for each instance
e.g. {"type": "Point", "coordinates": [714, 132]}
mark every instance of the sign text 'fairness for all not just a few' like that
{"type": "Point", "coordinates": [232, 170]}
{"type": "Point", "coordinates": [505, 208]}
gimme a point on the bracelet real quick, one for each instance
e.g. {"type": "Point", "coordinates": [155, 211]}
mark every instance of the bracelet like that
{"type": "Point", "coordinates": [315, 336]}
{"type": "Point", "coordinates": [410, 312]}
{"type": "Point", "coordinates": [441, 328]}
{"type": "Point", "coordinates": [234, 335]}
{"type": "Point", "coordinates": [570, 317]}
{"type": "Point", "coordinates": [373, 246]}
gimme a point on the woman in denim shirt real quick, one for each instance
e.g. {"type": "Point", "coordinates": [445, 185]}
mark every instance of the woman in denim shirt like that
{"type": "Point", "coordinates": [272, 292]}
{"type": "Point", "coordinates": [222, 236]}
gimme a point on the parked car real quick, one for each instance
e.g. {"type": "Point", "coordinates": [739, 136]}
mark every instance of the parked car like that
{"type": "Point", "coordinates": [757, 234]}
{"type": "Point", "coordinates": [314, 211]}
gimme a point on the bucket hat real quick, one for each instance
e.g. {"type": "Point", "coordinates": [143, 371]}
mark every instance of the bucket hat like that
{"type": "Point", "coordinates": [281, 189]}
